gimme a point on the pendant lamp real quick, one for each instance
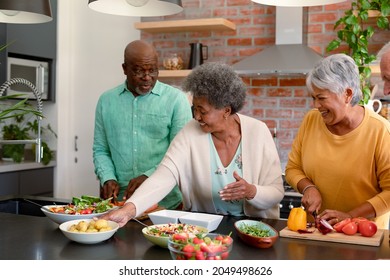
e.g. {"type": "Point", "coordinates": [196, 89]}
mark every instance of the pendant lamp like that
{"type": "Point", "coordinates": [25, 11]}
{"type": "Point", "coordinates": [137, 8]}
{"type": "Point", "coordinates": [297, 3]}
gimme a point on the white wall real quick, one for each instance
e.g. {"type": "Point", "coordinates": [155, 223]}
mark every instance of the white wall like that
{"type": "Point", "coordinates": [90, 53]}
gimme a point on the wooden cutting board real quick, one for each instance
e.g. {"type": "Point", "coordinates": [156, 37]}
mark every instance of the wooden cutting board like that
{"type": "Point", "coordinates": [336, 237]}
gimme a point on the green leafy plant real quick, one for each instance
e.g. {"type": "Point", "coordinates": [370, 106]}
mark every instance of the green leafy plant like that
{"type": "Point", "coordinates": [354, 30]}
{"type": "Point", "coordinates": [22, 130]}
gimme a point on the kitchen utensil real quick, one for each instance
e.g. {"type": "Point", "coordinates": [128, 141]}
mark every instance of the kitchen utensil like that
{"type": "Point", "coordinates": [335, 237]}
{"type": "Point", "coordinates": [197, 55]}
{"type": "Point", "coordinates": [141, 223]}
{"type": "Point", "coordinates": [32, 202]}
{"type": "Point", "coordinates": [375, 105]}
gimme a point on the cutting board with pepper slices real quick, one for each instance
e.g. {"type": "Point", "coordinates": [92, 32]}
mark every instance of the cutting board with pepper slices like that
{"type": "Point", "coordinates": [335, 237]}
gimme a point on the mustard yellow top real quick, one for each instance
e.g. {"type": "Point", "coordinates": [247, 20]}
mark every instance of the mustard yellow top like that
{"type": "Point", "coordinates": [348, 170]}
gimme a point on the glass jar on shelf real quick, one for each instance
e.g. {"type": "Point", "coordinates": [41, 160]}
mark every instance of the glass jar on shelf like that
{"type": "Point", "coordinates": [173, 62]}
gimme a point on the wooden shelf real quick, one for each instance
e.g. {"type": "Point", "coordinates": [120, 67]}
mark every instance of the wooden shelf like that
{"type": "Point", "coordinates": [187, 25]}
{"type": "Point", "coordinates": [173, 73]}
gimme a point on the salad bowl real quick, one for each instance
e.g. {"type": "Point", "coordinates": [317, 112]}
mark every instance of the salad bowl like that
{"type": "Point", "coordinates": [86, 207]}
{"type": "Point", "coordinates": [60, 218]}
{"type": "Point", "coordinates": [159, 234]}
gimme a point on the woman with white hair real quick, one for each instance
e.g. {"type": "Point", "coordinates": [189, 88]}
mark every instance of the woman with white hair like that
{"type": "Point", "coordinates": [340, 159]}
{"type": "Point", "coordinates": [223, 162]}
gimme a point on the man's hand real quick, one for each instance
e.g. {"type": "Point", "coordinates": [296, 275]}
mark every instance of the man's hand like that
{"type": "Point", "coordinates": [133, 185]}
{"type": "Point", "coordinates": [110, 189]}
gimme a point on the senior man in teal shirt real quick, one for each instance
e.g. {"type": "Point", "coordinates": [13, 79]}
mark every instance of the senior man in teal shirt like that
{"type": "Point", "coordinates": [134, 124]}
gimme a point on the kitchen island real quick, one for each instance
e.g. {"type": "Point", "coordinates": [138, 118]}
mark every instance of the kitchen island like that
{"type": "Point", "coordinates": [26, 237]}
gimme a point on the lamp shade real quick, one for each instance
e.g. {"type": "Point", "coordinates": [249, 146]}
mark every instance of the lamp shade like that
{"type": "Point", "coordinates": [297, 3]}
{"type": "Point", "coordinates": [137, 8]}
{"type": "Point", "coordinates": [25, 11]}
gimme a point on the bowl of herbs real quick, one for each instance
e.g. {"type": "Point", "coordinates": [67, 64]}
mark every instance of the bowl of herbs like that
{"type": "Point", "coordinates": [255, 233]}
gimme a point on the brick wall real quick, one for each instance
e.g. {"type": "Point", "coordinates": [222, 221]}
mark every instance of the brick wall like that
{"type": "Point", "coordinates": [279, 101]}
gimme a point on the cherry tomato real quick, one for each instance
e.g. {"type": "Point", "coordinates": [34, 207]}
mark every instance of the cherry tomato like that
{"type": "Point", "coordinates": [339, 226]}
{"type": "Point", "coordinates": [86, 211]}
{"type": "Point", "coordinates": [367, 228]}
{"type": "Point", "coordinates": [350, 228]}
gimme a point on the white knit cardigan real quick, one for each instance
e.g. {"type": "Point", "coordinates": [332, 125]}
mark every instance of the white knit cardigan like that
{"type": "Point", "coordinates": [187, 164]}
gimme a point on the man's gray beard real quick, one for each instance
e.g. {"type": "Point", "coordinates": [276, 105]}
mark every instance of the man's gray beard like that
{"type": "Point", "coordinates": [139, 92]}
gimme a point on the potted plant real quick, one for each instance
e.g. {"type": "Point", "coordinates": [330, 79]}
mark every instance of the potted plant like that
{"type": "Point", "coordinates": [20, 129]}
{"type": "Point", "coordinates": [355, 31]}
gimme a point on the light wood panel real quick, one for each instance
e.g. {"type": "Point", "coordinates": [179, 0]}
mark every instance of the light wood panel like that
{"type": "Point", "coordinates": [187, 25]}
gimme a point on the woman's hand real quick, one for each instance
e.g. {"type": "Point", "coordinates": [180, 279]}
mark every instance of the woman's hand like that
{"type": "Point", "coordinates": [121, 215]}
{"type": "Point", "coordinates": [312, 200]}
{"type": "Point", "coordinates": [333, 216]}
{"type": "Point", "coordinates": [240, 189]}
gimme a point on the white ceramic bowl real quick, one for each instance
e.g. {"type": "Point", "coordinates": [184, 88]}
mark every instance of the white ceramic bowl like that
{"type": "Point", "coordinates": [62, 218]}
{"type": "Point", "coordinates": [166, 216]}
{"type": "Point", "coordinates": [162, 241]}
{"type": "Point", "coordinates": [209, 221]}
{"type": "Point", "coordinates": [88, 237]}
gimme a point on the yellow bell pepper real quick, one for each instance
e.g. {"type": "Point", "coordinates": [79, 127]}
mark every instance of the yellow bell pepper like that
{"type": "Point", "coordinates": [297, 219]}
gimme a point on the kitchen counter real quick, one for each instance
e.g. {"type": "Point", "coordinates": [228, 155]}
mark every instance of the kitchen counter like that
{"type": "Point", "coordinates": [26, 237]}
{"type": "Point", "coordinates": [10, 166]}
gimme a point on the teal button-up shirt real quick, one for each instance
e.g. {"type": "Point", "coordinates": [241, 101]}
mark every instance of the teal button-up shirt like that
{"type": "Point", "coordinates": [132, 134]}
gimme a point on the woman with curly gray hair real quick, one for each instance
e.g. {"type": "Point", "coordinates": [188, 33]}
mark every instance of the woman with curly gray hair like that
{"type": "Point", "coordinates": [340, 159]}
{"type": "Point", "coordinates": [224, 162]}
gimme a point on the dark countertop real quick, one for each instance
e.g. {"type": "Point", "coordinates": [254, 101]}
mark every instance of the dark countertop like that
{"type": "Point", "coordinates": [25, 237]}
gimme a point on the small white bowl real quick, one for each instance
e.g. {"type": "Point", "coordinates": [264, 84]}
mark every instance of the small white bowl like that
{"type": "Point", "coordinates": [60, 218]}
{"type": "Point", "coordinates": [209, 221]}
{"type": "Point", "coordinates": [166, 216]}
{"type": "Point", "coordinates": [88, 237]}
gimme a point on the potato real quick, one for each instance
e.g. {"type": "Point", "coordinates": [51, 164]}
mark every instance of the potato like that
{"type": "Point", "coordinates": [100, 223]}
{"type": "Point", "coordinates": [105, 229]}
{"type": "Point", "coordinates": [82, 226]}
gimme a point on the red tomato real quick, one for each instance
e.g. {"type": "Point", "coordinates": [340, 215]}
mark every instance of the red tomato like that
{"type": "Point", "coordinates": [199, 255]}
{"type": "Point", "coordinates": [188, 249]}
{"type": "Point", "coordinates": [85, 211]}
{"type": "Point", "coordinates": [350, 228]}
{"type": "Point", "coordinates": [180, 236]}
{"type": "Point", "coordinates": [227, 240]}
{"type": "Point", "coordinates": [359, 219]}
{"type": "Point", "coordinates": [339, 226]}
{"type": "Point", "coordinates": [197, 240]}
{"type": "Point", "coordinates": [367, 228]}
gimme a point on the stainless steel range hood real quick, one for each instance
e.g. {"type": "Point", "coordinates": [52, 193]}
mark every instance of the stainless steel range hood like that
{"type": "Point", "coordinates": [289, 55]}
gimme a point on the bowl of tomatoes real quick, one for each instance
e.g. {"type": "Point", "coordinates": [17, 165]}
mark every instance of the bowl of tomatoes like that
{"type": "Point", "coordinates": [211, 246]}
{"type": "Point", "coordinates": [84, 207]}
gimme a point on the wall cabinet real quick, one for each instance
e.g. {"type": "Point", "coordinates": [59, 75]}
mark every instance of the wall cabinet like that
{"type": "Point", "coordinates": [28, 182]}
{"type": "Point", "coordinates": [34, 41]}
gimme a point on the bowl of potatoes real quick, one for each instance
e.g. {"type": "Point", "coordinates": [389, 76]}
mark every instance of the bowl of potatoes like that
{"type": "Point", "coordinates": [89, 231]}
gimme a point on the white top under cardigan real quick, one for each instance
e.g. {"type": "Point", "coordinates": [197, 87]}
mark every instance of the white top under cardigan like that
{"type": "Point", "coordinates": [187, 163]}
